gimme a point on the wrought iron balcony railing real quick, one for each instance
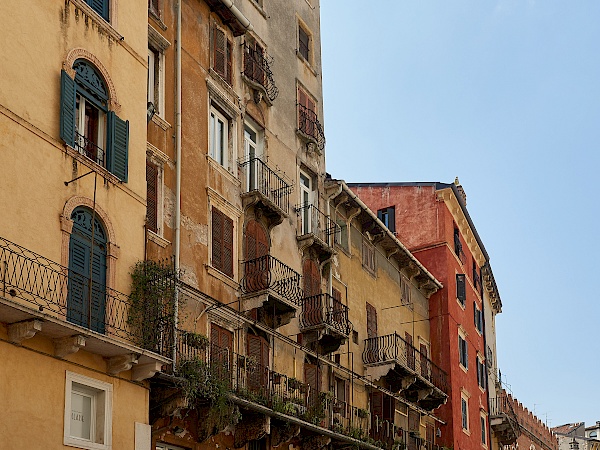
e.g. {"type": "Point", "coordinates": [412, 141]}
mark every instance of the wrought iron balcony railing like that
{"type": "Point", "coordinates": [260, 177]}
{"type": "Point", "coordinates": [268, 272]}
{"type": "Point", "coordinates": [392, 347]}
{"type": "Point", "coordinates": [313, 221]}
{"type": "Point", "coordinates": [72, 297]}
{"type": "Point", "coordinates": [323, 309]}
{"type": "Point", "coordinates": [257, 67]}
{"type": "Point", "coordinates": [309, 125]}
{"type": "Point", "coordinates": [502, 405]}
{"type": "Point", "coordinates": [89, 149]}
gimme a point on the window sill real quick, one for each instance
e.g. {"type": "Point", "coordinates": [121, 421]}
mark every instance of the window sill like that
{"type": "Point", "coordinates": [306, 63]}
{"type": "Point", "coordinates": [162, 123]}
{"type": "Point", "coordinates": [462, 305]}
{"type": "Point", "coordinates": [212, 271]}
{"type": "Point", "coordinates": [464, 369]}
{"type": "Point", "coordinates": [102, 171]}
{"type": "Point", "coordinates": [467, 432]}
{"type": "Point", "coordinates": [97, 19]}
{"type": "Point", "coordinates": [157, 239]}
{"type": "Point", "coordinates": [223, 171]}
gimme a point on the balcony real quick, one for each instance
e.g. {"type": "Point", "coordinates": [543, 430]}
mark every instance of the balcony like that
{"type": "Point", "coordinates": [407, 370]}
{"type": "Point", "coordinates": [265, 190]}
{"type": "Point", "coordinates": [317, 230]}
{"type": "Point", "coordinates": [324, 322]}
{"type": "Point", "coordinates": [89, 149]}
{"type": "Point", "coordinates": [273, 288]}
{"type": "Point", "coordinates": [503, 420]}
{"type": "Point", "coordinates": [41, 297]}
{"type": "Point", "coordinates": [261, 394]}
{"type": "Point", "coordinates": [257, 72]}
{"type": "Point", "coordinates": [310, 129]}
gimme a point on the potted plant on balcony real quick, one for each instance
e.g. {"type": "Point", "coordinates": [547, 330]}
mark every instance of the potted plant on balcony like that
{"type": "Point", "coordinates": [362, 413]}
{"type": "Point", "coordinates": [293, 383]}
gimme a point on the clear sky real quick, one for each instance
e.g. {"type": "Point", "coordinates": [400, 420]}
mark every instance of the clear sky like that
{"type": "Point", "coordinates": [505, 95]}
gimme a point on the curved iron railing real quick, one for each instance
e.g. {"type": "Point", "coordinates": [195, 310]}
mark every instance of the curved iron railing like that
{"type": "Point", "coordinates": [309, 125]}
{"type": "Point", "coordinates": [260, 177]}
{"type": "Point", "coordinates": [88, 148]}
{"type": "Point", "coordinates": [268, 272]}
{"type": "Point", "coordinates": [393, 348]}
{"type": "Point", "coordinates": [323, 309]}
{"type": "Point", "coordinates": [257, 67]}
{"type": "Point", "coordinates": [313, 221]}
{"type": "Point", "coordinates": [72, 297]}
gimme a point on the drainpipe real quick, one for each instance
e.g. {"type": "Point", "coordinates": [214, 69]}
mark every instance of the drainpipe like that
{"type": "Point", "coordinates": [238, 15]}
{"type": "Point", "coordinates": [176, 254]}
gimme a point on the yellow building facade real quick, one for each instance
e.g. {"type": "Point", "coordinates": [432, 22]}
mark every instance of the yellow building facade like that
{"type": "Point", "coordinates": [72, 157]}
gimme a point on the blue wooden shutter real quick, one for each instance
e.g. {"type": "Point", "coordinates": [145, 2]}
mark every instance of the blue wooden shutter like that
{"type": "Point", "coordinates": [98, 303]}
{"type": "Point", "coordinates": [67, 108]}
{"type": "Point", "coordinates": [79, 269]}
{"type": "Point", "coordinates": [118, 145]}
{"type": "Point", "coordinates": [100, 6]}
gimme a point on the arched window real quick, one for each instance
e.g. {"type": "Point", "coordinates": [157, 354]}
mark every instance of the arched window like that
{"type": "Point", "coordinates": [86, 123]}
{"type": "Point", "coordinates": [87, 271]}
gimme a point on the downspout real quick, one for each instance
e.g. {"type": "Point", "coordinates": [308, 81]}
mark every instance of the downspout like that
{"type": "Point", "coordinates": [238, 15]}
{"type": "Point", "coordinates": [176, 254]}
{"type": "Point", "coordinates": [487, 383]}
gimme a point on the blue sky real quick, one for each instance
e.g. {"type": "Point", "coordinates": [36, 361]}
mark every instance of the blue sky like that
{"type": "Point", "coordinates": [505, 95]}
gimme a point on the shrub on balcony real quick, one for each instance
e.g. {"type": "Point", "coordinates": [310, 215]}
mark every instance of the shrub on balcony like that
{"type": "Point", "coordinates": [151, 316]}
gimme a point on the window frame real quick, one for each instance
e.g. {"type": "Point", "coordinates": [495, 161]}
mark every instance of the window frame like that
{"type": "Point", "coordinates": [461, 289]}
{"type": "Point", "coordinates": [463, 351]}
{"type": "Point", "coordinates": [304, 50]}
{"type": "Point", "coordinates": [307, 197]}
{"type": "Point", "coordinates": [388, 217]}
{"type": "Point", "coordinates": [483, 424]}
{"type": "Point", "coordinates": [227, 50]}
{"type": "Point", "coordinates": [216, 116]}
{"type": "Point", "coordinates": [102, 394]}
{"type": "Point", "coordinates": [481, 373]}
{"type": "Point", "coordinates": [464, 412]}
{"type": "Point", "coordinates": [369, 260]}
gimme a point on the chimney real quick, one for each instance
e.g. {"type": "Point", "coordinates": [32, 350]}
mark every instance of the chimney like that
{"type": "Point", "coordinates": [461, 191]}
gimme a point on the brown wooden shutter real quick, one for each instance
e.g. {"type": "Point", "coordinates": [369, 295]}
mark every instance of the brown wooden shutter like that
{"type": "Point", "coordinates": [371, 321]}
{"type": "Point", "coordinates": [347, 397]}
{"type": "Point", "coordinates": [410, 350]}
{"type": "Point", "coordinates": [256, 376]}
{"type": "Point", "coordinates": [229, 74]}
{"type": "Point", "coordinates": [312, 278]}
{"type": "Point", "coordinates": [376, 405]}
{"type": "Point", "coordinates": [257, 243]}
{"type": "Point", "coordinates": [312, 376]}
{"type": "Point", "coordinates": [151, 196]}
{"type": "Point", "coordinates": [227, 246]}
{"type": "Point", "coordinates": [424, 360]}
{"type": "Point", "coordinates": [217, 239]}
{"type": "Point", "coordinates": [220, 52]}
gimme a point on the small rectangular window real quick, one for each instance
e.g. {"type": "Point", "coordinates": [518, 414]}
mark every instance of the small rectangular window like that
{"type": "Point", "coordinates": [481, 375]}
{"type": "Point", "coordinates": [218, 137]}
{"type": "Point", "coordinates": [463, 351]}
{"type": "Point", "coordinates": [222, 55]}
{"type": "Point", "coordinates": [368, 256]}
{"type": "Point", "coordinates": [303, 43]}
{"type": "Point", "coordinates": [464, 413]}
{"type": "Point", "coordinates": [483, 431]}
{"type": "Point", "coordinates": [388, 217]}
{"type": "Point", "coordinates": [461, 289]}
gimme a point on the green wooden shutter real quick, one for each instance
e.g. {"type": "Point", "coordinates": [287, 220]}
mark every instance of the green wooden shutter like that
{"type": "Point", "coordinates": [67, 109]}
{"type": "Point", "coordinates": [118, 146]}
{"type": "Point", "coordinates": [151, 196]}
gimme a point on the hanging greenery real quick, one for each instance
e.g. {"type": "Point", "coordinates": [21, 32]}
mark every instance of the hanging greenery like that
{"type": "Point", "coordinates": [151, 316]}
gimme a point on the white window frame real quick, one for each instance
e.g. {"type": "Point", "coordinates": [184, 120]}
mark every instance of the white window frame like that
{"type": "Point", "coordinates": [252, 149]}
{"type": "Point", "coordinates": [462, 337]}
{"type": "Point", "coordinates": [157, 45]}
{"type": "Point", "coordinates": [101, 394]}
{"type": "Point", "coordinates": [484, 433]}
{"type": "Point", "coordinates": [159, 159]}
{"type": "Point", "coordinates": [306, 199]}
{"type": "Point", "coordinates": [464, 412]}
{"type": "Point", "coordinates": [81, 101]}
{"type": "Point", "coordinates": [221, 155]}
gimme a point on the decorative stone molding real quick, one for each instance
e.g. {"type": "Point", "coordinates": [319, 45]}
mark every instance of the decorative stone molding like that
{"type": "Point", "coordinates": [81, 53]}
{"type": "Point", "coordinates": [18, 332]}
{"type": "Point", "coordinates": [145, 371]}
{"type": "Point", "coordinates": [156, 40]}
{"type": "Point", "coordinates": [121, 363]}
{"type": "Point", "coordinates": [68, 345]}
{"type": "Point", "coordinates": [77, 201]}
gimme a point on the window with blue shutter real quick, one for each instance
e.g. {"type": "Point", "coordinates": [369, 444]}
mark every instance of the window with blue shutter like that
{"type": "Point", "coordinates": [100, 6]}
{"type": "Point", "coordinates": [86, 300]}
{"type": "Point", "coordinates": [87, 125]}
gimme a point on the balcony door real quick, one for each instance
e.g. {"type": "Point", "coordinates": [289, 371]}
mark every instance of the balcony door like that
{"type": "Point", "coordinates": [256, 248]}
{"type": "Point", "coordinates": [306, 199]}
{"type": "Point", "coordinates": [253, 156]}
{"type": "Point", "coordinates": [257, 372]}
{"type": "Point", "coordinates": [86, 299]}
{"type": "Point", "coordinates": [312, 308]}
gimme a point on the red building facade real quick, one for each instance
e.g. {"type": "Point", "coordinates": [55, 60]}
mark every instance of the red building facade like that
{"type": "Point", "coordinates": [431, 219]}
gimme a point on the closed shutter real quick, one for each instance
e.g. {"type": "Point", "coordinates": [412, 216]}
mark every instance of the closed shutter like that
{"type": "Point", "coordinates": [312, 376]}
{"type": "Point", "coordinates": [229, 75]}
{"type": "Point", "coordinates": [217, 239]}
{"type": "Point", "coordinates": [220, 52]}
{"type": "Point", "coordinates": [312, 278]}
{"type": "Point", "coordinates": [424, 361]}
{"type": "Point", "coordinates": [410, 350]}
{"type": "Point", "coordinates": [151, 196]}
{"type": "Point", "coordinates": [392, 218]}
{"type": "Point", "coordinates": [257, 244]}
{"type": "Point", "coordinates": [98, 291]}
{"type": "Point", "coordinates": [475, 315]}
{"type": "Point", "coordinates": [461, 292]}
{"type": "Point", "coordinates": [221, 352]}
{"type": "Point", "coordinates": [79, 270]}
{"type": "Point", "coordinates": [371, 321]}
{"type": "Point", "coordinates": [347, 398]}
{"type": "Point", "coordinates": [67, 109]}
{"type": "Point", "coordinates": [100, 6]}
{"type": "Point", "coordinates": [258, 350]}
{"type": "Point", "coordinates": [228, 246]}
{"type": "Point", "coordinates": [376, 405]}
{"type": "Point", "coordinates": [118, 145]}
